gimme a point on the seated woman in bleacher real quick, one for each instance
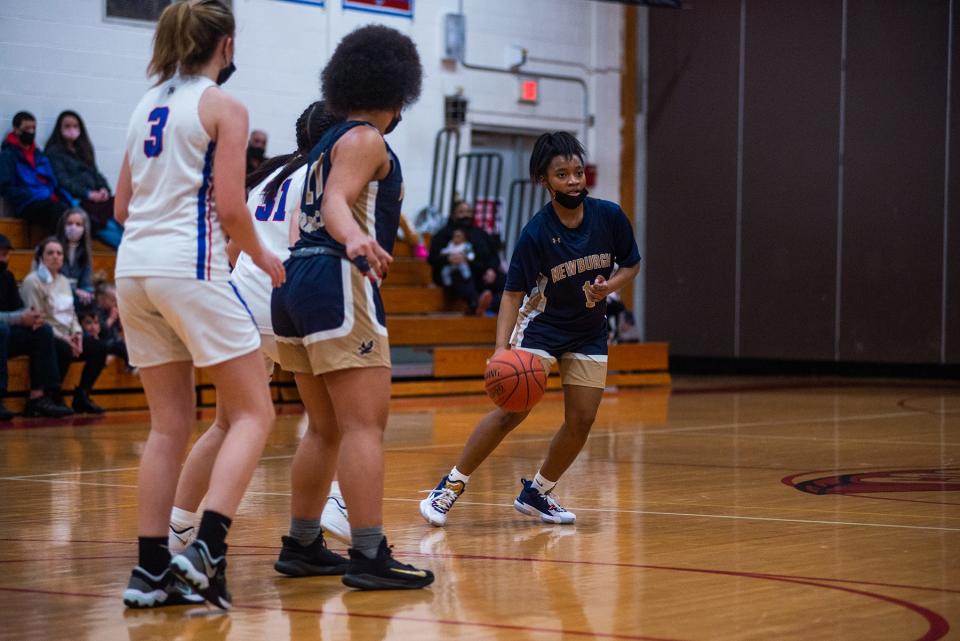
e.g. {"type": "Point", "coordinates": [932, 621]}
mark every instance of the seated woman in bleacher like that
{"type": "Point", "coordinates": [482, 288]}
{"type": "Point", "coordinates": [73, 232]}
{"type": "Point", "coordinates": [48, 291]}
{"type": "Point", "coordinates": [71, 154]}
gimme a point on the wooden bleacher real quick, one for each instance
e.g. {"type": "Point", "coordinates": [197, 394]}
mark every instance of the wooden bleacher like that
{"type": "Point", "coordinates": [418, 315]}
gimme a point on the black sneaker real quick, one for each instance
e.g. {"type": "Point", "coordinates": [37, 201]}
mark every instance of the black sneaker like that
{"type": "Point", "coordinates": [82, 403]}
{"type": "Point", "coordinates": [147, 591]}
{"type": "Point", "coordinates": [384, 572]}
{"type": "Point", "coordinates": [195, 567]}
{"type": "Point", "coordinates": [309, 560]}
{"type": "Point", "coordinates": [47, 407]}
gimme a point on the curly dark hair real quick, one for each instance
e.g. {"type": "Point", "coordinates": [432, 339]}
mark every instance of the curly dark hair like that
{"type": "Point", "coordinates": [311, 125]}
{"type": "Point", "coordinates": [373, 68]}
{"type": "Point", "coordinates": [548, 147]}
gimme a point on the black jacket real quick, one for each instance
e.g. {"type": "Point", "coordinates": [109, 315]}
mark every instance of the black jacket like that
{"type": "Point", "coordinates": [73, 173]}
{"type": "Point", "coordinates": [484, 246]}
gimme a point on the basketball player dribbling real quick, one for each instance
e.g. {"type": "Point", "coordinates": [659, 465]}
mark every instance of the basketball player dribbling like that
{"type": "Point", "coordinates": [553, 305]}
{"type": "Point", "coordinates": [176, 303]}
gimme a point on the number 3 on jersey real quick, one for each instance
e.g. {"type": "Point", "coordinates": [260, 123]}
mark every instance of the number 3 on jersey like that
{"type": "Point", "coordinates": [157, 120]}
{"type": "Point", "coordinates": [266, 205]}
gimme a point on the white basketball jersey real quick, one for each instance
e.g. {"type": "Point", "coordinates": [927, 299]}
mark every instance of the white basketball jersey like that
{"type": "Point", "coordinates": [172, 229]}
{"type": "Point", "coordinates": [271, 219]}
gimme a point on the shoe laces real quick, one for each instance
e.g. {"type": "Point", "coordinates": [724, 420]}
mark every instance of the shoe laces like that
{"type": "Point", "coordinates": [552, 503]}
{"type": "Point", "coordinates": [444, 498]}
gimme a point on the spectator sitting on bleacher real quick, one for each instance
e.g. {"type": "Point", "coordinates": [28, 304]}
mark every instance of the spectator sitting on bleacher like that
{"type": "Point", "coordinates": [71, 154]}
{"type": "Point", "coordinates": [48, 291]}
{"type": "Point", "coordinates": [73, 234]}
{"type": "Point", "coordinates": [483, 290]}
{"type": "Point", "coordinates": [22, 331]}
{"type": "Point", "coordinates": [27, 180]}
{"type": "Point", "coordinates": [108, 316]}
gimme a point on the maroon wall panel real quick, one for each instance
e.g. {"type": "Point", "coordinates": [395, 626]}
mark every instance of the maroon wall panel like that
{"type": "Point", "coordinates": [953, 225]}
{"type": "Point", "coordinates": [893, 186]}
{"type": "Point", "coordinates": [790, 155]}
{"type": "Point", "coordinates": [691, 190]}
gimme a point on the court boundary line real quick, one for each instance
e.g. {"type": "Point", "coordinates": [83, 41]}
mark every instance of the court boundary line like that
{"type": "Point", "coordinates": [937, 625]}
{"type": "Point", "coordinates": [543, 439]}
{"type": "Point", "coordinates": [730, 517]}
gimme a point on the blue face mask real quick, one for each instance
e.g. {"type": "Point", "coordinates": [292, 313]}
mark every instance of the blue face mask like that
{"type": "Point", "coordinates": [44, 274]}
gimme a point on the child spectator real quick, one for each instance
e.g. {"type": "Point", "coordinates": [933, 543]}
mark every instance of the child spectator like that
{"type": "Point", "coordinates": [27, 179]}
{"type": "Point", "coordinates": [108, 318]}
{"type": "Point", "coordinates": [458, 245]}
{"type": "Point", "coordinates": [73, 232]}
{"type": "Point", "coordinates": [48, 291]}
{"type": "Point", "coordinates": [72, 156]}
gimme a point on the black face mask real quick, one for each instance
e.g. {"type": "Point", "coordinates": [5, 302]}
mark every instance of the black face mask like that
{"type": "Point", "coordinates": [464, 222]}
{"type": "Point", "coordinates": [393, 124]}
{"type": "Point", "coordinates": [255, 153]}
{"type": "Point", "coordinates": [26, 137]}
{"type": "Point", "coordinates": [570, 202]}
{"type": "Point", "coordinates": [225, 73]}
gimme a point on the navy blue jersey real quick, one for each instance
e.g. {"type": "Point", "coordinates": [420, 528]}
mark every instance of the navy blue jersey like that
{"type": "Point", "coordinates": [553, 264]}
{"type": "Point", "coordinates": [377, 209]}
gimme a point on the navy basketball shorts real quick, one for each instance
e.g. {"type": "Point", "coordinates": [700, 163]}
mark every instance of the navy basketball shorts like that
{"type": "Point", "coordinates": [327, 317]}
{"type": "Point", "coordinates": [582, 360]}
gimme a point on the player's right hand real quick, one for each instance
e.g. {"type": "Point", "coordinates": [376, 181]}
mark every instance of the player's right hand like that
{"type": "Point", "coordinates": [272, 265]}
{"type": "Point", "coordinates": [361, 244]}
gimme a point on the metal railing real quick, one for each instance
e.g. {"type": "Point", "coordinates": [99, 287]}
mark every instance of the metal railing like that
{"type": "Point", "coordinates": [525, 199]}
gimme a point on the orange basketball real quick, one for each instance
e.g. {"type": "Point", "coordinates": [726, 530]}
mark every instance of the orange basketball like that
{"type": "Point", "coordinates": [515, 380]}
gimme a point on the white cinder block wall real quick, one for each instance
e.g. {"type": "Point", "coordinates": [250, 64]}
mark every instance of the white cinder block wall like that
{"type": "Point", "coordinates": [63, 54]}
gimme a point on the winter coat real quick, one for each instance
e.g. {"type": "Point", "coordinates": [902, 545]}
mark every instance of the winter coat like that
{"type": "Point", "coordinates": [483, 245]}
{"type": "Point", "coordinates": [74, 174]}
{"type": "Point", "coordinates": [22, 181]}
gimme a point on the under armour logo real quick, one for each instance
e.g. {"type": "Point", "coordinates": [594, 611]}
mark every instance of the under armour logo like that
{"type": "Point", "coordinates": [365, 348]}
{"type": "Point", "coordinates": [555, 240]}
{"type": "Point", "coordinates": [170, 90]}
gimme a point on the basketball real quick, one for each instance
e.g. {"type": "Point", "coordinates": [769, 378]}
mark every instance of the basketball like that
{"type": "Point", "coordinates": [515, 380]}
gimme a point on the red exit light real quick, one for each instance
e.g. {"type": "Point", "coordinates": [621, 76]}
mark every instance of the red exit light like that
{"type": "Point", "coordinates": [529, 90]}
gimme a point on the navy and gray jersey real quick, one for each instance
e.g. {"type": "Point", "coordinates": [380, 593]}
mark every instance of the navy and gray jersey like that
{"type": "Point", "coordinates": [376, 210]}
{"type": "Point", "coordinates": [553, 265]}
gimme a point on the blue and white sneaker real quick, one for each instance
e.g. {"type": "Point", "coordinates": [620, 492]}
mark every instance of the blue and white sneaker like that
{"type": "Point", "coordinates": [203, 573]}
{"type": "Point", "coordinates": [148, 591]}
{"type": "Point", "coordinates": [435, 507]}
{"type": "Point", "coordinates": [532, 503]}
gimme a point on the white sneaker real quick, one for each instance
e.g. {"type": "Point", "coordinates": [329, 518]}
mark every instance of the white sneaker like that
{"type": "Point", "coordinates": [334, 519]}
{"type": "Point", "coordinates": [434, 508]}
{"type": "Point", "coordinates": [179, 540]}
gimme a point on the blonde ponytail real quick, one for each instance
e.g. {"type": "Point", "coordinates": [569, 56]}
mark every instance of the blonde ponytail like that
{"type": "Point", "coordinates": [187, 34]}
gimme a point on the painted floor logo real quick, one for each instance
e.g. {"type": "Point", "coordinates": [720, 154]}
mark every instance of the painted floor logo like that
{"type": "Point", "coordinates": [946, 479]}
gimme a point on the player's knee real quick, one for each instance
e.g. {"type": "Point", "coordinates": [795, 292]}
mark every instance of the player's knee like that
{"type": "Point", "coordinates": [508, 421]}
{"type": "Point", "coordinates": [580, 422]}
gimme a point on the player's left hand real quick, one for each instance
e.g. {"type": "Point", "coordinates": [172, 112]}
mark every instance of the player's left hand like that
{"type": "Point", "coordinates": [599, 289]}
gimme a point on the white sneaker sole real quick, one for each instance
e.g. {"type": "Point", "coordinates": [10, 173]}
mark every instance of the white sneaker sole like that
{"type": "Point", "coordinates": [426, 511]}
{"type": "Point", "coordinates": [529, 510]}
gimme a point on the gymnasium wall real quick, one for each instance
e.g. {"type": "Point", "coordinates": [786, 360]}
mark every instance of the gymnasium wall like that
{"type": "Point", "coordinates": [59, 54]}
{"type": "Point", "coordinates": [800, 208]}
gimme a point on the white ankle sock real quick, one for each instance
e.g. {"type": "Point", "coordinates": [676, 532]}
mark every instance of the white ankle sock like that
{"type": "Point", "coordinates": [542, 485]}
{"type": "Point", "coordinates": [182, 519]}
{"type": "Point", "coordinates": [457, 475]}
{"type": "Point", "coordinates": [335, 489]}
